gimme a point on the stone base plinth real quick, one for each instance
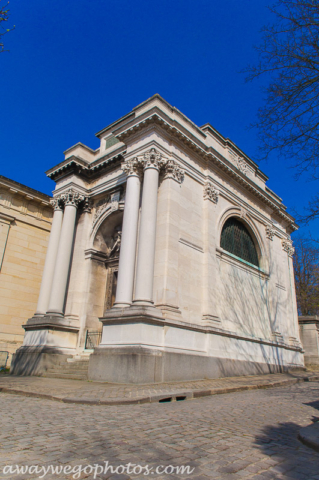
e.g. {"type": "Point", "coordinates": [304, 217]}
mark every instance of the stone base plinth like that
{"type": "Point", "coordinates": [36, 361]}
{"type": "Point", "coordinates": [139, 365]}
{"type": "Point", "coordinates": [47, 339]}
{"type": "Point", "coordinates": [140, 346]}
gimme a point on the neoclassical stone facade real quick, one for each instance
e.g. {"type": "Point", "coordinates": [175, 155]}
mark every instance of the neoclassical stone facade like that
{"type": "Point", "coordinates": [166, 240]}
{"type": "Point", "coordinates": [25, 223]}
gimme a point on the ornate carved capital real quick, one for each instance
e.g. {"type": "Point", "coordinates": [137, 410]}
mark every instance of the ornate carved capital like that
{"type": "Point", "coordinates": [152, 159]}
{"type": "Point", "coordinates": [210, 192]}
{"type": "Point", "coordinates": [287, 247]}
{"type": "Point", "coordinates": [72, 197]}
{"type": "Point", "coordinates": [57, 203]}
{"type": "Point", "coordinates": [270, 232]}
{"type": "Point", "coordinates": [131, 167]}
{"type": "Point", "coordinates": [87, 205]}
{"type": "Point", "coordinates": [173, 171]}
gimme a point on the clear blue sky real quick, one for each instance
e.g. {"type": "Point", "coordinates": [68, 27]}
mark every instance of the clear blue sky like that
{"type": "Point", "coordinates": [76, 66]}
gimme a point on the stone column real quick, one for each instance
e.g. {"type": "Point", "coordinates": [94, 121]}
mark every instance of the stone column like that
{"type": "Point", "coordinates": [61, 273]}
{"type": "Point", "coordinates": [152, 161]}
{"type": "Point", "coordinates": [124, 291]}
{"type": "Point", "coordinates": [48, 271]}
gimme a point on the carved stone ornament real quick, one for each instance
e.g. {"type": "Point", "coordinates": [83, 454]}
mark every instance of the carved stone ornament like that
{"type": "Point", "coordinates": [270, 232]}
{"type": "Point", "coordinates": [87, 205]}
{"type": "Point", "coordinates": [131, 167]}
{"type": "Point", "coordinates": [241, 165]}
{"type": "Point", "coordinates": [57, 203]}
{"type": "Point", "coordinates": [210, 192]}
{"type": "Point", "coordinates": [173, 171]}
{"type": "Point", "coordinates": [72, 197]}
{"type": "Point", "coordinates": [152, 159]}
{"type": "Point", "coordinates": [111, 201]}
{"type": "Point", "coordinates": [287, 247]}
{"type": "Point", "coordinates": [115, 250]}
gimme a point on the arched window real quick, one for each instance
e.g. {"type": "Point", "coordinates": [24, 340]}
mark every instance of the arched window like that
{"type": "Point", "coordinates": [237, 240]}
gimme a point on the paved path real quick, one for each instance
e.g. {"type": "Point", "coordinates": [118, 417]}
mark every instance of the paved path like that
{"type": "Point", "coordinates": [83, 392]}
{"type": "Point", "coordinates": [245, 435]}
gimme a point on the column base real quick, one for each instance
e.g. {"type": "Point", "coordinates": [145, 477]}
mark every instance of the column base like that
{"type": "Point", "coordinates": [121, 305]}
{"type": "Point", "coordinates": [51, 332]}
{"type": "Point", "coordinates": [146, 303]}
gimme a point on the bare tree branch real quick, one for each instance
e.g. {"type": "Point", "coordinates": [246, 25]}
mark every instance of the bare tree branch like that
{"type": "Point", "coordinates": [306, 268]}
{"type": "Point", "coordinates": [4, 17]}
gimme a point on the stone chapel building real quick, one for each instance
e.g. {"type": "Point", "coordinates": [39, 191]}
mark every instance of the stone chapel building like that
{"type": "Point", "coordinates": [168, 242]}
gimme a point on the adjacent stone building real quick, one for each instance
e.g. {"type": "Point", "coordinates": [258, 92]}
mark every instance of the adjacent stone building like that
{"type": "Point", "coordinates": [25, 223]}
{"type": "Point", "coordinates": [309, 335]}
{"type": "Point", "coordinates": [167, 237]}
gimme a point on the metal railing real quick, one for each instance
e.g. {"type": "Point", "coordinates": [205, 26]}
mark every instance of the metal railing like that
{"type": "Point", "coordinates": [92, 339]}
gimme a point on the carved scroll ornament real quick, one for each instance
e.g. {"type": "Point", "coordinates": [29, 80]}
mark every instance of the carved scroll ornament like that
{"type": "Point", "coordinates": [210, 192]}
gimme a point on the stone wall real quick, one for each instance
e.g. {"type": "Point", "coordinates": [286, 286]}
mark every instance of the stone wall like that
{"type": "Point", "coordinates": [24, 232]}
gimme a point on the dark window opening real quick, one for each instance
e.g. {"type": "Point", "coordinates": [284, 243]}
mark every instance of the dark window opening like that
{"type": "Point", "coordinates": [236, 239]}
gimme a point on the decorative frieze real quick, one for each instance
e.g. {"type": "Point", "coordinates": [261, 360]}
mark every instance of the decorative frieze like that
{"type": "Point", "coordinates": [173, 171]}
{"type": "Point", "coordinates": [270, 232]}
{"type": "Point", "coordinates": [287, 247]}
{"type": "Point", "coordinates": [210, 192]}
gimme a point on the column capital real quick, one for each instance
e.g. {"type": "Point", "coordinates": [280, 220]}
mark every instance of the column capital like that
{"type": "Point", "coordinates": [73, 198]}
{"type": "Point", "coordinates": [152, 159]}
{"type": "Point", "coordinates": [131, 167]}
{"type": "Point", "coordinates": [87, 205]}
{"type": "Point", "coordinates": [287, 247]}
{"type": "Point", "coordinates": [173, 171]}
{"type": "Point", "coordinates": [56, 203]}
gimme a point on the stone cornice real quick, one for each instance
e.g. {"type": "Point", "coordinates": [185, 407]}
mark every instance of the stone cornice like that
{"type": "Point", "coordinates": [209, 153]}
{"type": "Point", "coordinates": [27, 192]}
{"type": "Point", "coordinates": [77, 165]}
{"type": "Point", "coordinates": [6, 218]}
{"type": "Point", "coordinates": [157, 113]}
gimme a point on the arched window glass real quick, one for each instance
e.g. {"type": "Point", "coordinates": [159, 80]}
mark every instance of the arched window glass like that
{"type": "Point", "coordinates": [237, 240]}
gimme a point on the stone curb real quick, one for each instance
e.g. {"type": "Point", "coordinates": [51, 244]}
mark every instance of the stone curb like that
{"type": "Point", "coordinates": [163, 397]}
{"type": "Point", "coordinates": [309, 436]}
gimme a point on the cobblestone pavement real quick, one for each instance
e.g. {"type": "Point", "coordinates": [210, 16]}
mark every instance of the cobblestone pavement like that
{"type": "Point", "coordinates": [245, 435]}
{"type": "Point", "coordinates": [78, 391]}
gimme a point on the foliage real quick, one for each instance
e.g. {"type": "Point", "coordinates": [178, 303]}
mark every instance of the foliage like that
{"type": "Point", "coordinates": [306, 267]}
{"type": "Point", "coordinates": [289, 57]}
{"type": "Point", "coordinates": [4, 16]}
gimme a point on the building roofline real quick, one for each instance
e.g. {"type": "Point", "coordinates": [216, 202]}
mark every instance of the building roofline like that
{"type": "Point", "coordinates": [26, 189]}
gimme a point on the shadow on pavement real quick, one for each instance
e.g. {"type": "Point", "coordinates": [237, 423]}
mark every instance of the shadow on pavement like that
{"type": "Point", "coordinates": [280, 443]}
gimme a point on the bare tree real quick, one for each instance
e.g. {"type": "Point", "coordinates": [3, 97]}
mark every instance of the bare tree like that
{"type": "Point", "coordinates": [306, 267]}
{"type": "Point", "coordinates": [4, 16]}
{"type": "Point", "coordinates": [289, 59]}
